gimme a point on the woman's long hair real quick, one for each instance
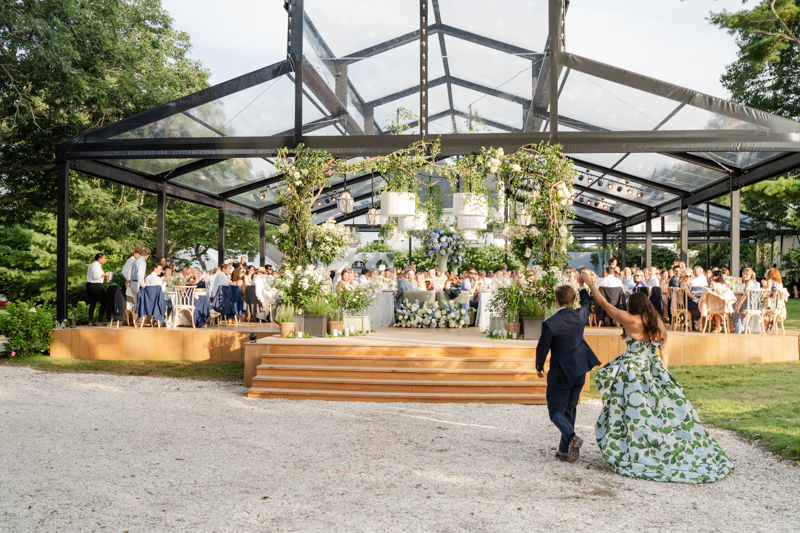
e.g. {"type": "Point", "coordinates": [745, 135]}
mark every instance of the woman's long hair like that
{"type": "Point", "coordinates": [639, 304]}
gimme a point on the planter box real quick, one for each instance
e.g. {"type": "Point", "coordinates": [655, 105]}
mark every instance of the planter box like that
{"type": "Point", "coordinates": [532, 327]}
{"type": "Point", "coordinates": [313, 325]}
{"type": "Point", "coordinates": [361, 323]}
{"type": "Point", "coordinates": [337, 325]}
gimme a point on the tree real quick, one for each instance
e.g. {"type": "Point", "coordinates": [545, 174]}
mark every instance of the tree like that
{"type": "Point", "coordinates": [69, 66]}
{"type": "Point", "coordinates": [662, 256]}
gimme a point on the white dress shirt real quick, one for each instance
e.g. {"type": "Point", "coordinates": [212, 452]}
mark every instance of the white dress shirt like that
{"type": "Point", "coordinates": [154, 280]}
{"type": "Point", "coordinates": [611, 281]}
{"type": "Point", "coordinates": [261, 288]}
{"type": "Point", "coordinates": [653, 282]}
{"type": "Point", "coordinates": [139, 271]}
{"type": "Point", "coordinates": [95, 273]}
{"type": "Point", "coordinates": [362, 280]}
{"type": "Point", "coordinates": [210, 284]}
{"type": "Point", "coordinates": [128, 268]}
{"type": "Point", "coordinates": [699, 281]}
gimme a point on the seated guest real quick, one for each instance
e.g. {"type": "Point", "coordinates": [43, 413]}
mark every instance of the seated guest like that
{"type": "Point", "coordinates": [345, 282]}
{"type": "Point", "coordinates": [163, 262]}
{"type": "Point", "coordinates": [748, 299]}
{"type": "Point", "coordinates": [693, 300]}
{"type": "Point", "coordinates": [610, 280]}
{"type": "Point", "coordinates": [196, 279]}
{"type": "Point", "coordinates": [471, 285]}
{"type": "Point", "coordinates": [363, 279]}
{"type": "Point", "coordinates": [699, 280]}
{"type": "Point", "coordinates": [654, 279]}
{"type": "Point", "coordinates": [237, 278]}
{"type": "Point", "coordinates": [249, 273]}
{"type": "Point", "coordinates": [154, 279]}
{"type": "Point", "coordinates": [94, 287]}
{"type": "Point", "coordinates": [675, 281]}
{"type": "Point", "coordinates": [403, 285]}
{"type": "Point", "coordinates": [637, 281]}
{"type": "Point", "coordinates": [261, 286]}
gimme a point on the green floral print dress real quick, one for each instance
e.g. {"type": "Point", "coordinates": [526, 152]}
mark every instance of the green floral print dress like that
{"type": "Point", "coordinates": [648, 428]}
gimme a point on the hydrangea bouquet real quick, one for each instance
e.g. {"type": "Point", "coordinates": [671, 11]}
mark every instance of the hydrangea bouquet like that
{"type": "Point", "coordinates": [450, 315]}
{"type": "Point", "coordinates": [446, 243]}
{"type": "Point", "coordinates": [300, 284]}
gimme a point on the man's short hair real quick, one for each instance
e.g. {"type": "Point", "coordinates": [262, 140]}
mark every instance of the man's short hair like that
{"type": "Point", "coordinates": [609, 269]}
{"type": "Point", "coordinates": [155, 266]}
{"type": "Point", "coordinates": [137, 251]}
{"type": "Point", "coordinates": [365, 271]}
{"type": "Point", "coordinates": [472, 271]}
{"type": "Point", "coordinates": [565, 295]}
{"type": "Point", "coordinates": [145, 251]}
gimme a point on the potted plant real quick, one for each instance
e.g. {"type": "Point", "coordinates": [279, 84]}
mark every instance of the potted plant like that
{"type": "Point", "coordinates": [532, 317]}
{"type": "Point", "coordinates": [354, 302]}
{"type": "Point", "coordinates": [315, 317]}
{"type": "Point", "coordinates": [284, 315]}
{"type": "Point", "coordinates": [335, 315]}
{"type": "Point", "coordinates": [506, 303]}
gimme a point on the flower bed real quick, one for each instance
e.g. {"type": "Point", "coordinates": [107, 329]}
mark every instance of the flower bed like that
{"type": "Point", "coordinates": [437, 315]}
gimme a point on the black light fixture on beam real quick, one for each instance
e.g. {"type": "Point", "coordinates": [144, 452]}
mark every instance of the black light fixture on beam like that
{"type": "Point", "coordinates": [600, 183]}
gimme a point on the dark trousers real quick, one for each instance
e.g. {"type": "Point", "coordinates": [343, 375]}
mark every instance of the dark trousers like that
{"type": "Point", "coordinates": [694, 309]}
{"type": "Point", "coordinates": [96, 294]}
{"type": "Point", "coordinates": [562, 403]}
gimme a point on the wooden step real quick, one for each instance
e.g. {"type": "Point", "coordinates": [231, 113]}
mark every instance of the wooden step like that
{"type": "Point", "coordinates": [357, 396]}
{"type": "Point", "coordinates": [447, 374]}
{"type": "Point", "coordinates": [398, 361]}
{"type": "Point", "coordinates": [418, 351]}
{"type": "Point", "coordinates": [400, 386]}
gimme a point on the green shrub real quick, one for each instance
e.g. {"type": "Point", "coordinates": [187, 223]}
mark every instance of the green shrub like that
{"type": "Point", "coordinates": [284, 313]}
{"type": "Point", "coordinates": [530, 307]}
{"type": "Point", "coordinates": [27, 329]}
{"type": "Point", "coordinates": [80, 313]}
{"type": "Point", "coordinates": [316, 306]}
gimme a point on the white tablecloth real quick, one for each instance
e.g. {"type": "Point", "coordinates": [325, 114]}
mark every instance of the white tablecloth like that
{"type": "Point", "coordinates": [381, 311]}
{"type": "Point", "coordinates": [482, 318]}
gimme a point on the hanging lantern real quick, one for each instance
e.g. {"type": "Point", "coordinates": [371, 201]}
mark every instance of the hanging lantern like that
{"type": "Point", "coordinates": [523, 218]}
{"type": "Point", "coordinates": [466, 223]}
{"type": "Point", "coordinates": [345, 203]}
{"type": "Point", "coordinates": [467, 204]}
{"type": "Point", "coordinates": [398, 204]}
{"type": "Point", "coordinates": [472, 237]}
{"type": "Point", "coordinates": [373, 217]}
{"type": "Point", "coordinates": [415, 223]}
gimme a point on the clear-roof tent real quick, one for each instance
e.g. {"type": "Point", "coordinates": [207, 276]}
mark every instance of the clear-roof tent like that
{"type": "Point", "coordinates": [359, 73]}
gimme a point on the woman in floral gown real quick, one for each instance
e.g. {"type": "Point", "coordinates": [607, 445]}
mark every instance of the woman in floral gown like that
{"type": "Point", "coordinates": [648, 428]}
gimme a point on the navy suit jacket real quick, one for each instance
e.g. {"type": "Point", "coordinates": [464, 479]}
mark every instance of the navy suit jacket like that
{"type": "Point", "coordinates": [562, 335]}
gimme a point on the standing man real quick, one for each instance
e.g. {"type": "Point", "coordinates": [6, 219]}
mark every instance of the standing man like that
{"type": "Point", "coordinates": [138, 275]}
{"type": "Point", "coordinates": [95, 277]}
{"type": "Point", "coordinates": [570, 360]}
{"type": "Point", "coordinates": [260, 284]}
{"type": "Point", "coordinates": [128, 268]}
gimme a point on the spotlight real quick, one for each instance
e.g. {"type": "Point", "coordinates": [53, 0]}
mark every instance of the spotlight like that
{"type": "Point", "coordinates": [605, 206]}
{"type": "Point", "coordinates": [261, 195]}
{"type": "Point", "coordinates": [580, 199]}
{"type": "Point", "coordinates": [639, 194]}
{"type": "Point", "coordinates": [630, 191]}
{"type": "Point", "coordinates": [580, 177]}
{"type": "Point", "coordinates": [590, 180]}
{"type": "Point", "coordinates": [596, 204]}
{"type": "Point", "coordinates": [612, 208]}
{"type": "Point", "coordinates": [619, 188]}
{"type": "Point", "coordinates": [600, 183]}
{"type": "Point", "coordinates": [588, 202]}
{"type": "Point", "coordinates": [327, 200]}
{"type": "Point", "coordinates": [319, 204]}
{"type": "Point", "coordinates": [610, 185]}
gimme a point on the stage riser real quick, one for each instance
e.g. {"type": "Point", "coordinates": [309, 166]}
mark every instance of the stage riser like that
{"type": "Point", "coordinates": [400, 362]}
{"type": "Point", "coordinates": [378, 386]}
{"type": "Point", "coordinates": [355, 396]}
{"type": "Point", "coordinates": [398, 374]}
{"type": "Point", "coordinates": [405, 351]}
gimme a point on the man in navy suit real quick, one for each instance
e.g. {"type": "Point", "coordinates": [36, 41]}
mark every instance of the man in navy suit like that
{"type": "Point", "coordinates": [570, 360]}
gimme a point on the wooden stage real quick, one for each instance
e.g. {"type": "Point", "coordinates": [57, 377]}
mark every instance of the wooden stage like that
{"type": "Point", "coordinates": [394, 364]}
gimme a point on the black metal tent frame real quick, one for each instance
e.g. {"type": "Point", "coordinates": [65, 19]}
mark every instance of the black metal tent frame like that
{"type": "Point", "coordinates": [94, 153]}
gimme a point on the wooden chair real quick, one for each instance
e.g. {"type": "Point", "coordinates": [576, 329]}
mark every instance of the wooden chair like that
{"type": "Point", "coordinates": [184, 301]}
{"type": "Point", "coordinates": [715, 306]}
{"type": "Point", "coordinates": [755, 309]}
{"type": "Point", "coordinates": [777, 311]}
{"type": "Point", "coordinates": [681, 310]}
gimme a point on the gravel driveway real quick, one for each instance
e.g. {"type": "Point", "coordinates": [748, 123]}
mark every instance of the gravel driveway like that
{"type": "Point", "coordinates": [85, 452]}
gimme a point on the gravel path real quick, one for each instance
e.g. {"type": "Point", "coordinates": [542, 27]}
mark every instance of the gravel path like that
{"type": "Point", "coordinates": [85, 452]}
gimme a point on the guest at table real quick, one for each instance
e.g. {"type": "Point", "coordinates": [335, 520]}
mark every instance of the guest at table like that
{"type": "Point", "coordinates": [637, 281]}
{"type": "Point", "coordinates": [749, 298]}
{"type": "Point", "coordinates": [138, 274]}
{"type": "Point", "coordinates": [345, 281]}
{"type": "Point", "coordinates": [699, 280]}
{"type": "Point", "coordinates": [652, 278]}
{"type": "Point", "coordinates": [610, 280]}
{"type": "Point", "coordinates": [675, 281]}
{"type": "Point", "coordinates": [719, 288]}
{"type": "Point", "coordinates": [403, 286]}
{"type": "Point", "coordinates": [196, 278]}
{"type": "Point", "coordinates": [260, 283]}
{"type": "Point", "coordinates": [773, 283]}
{"type": "Point", "coordinates": [363, 279]}
{"type": "Point", "coordinates": [693, 300]}
{"type": "Point", "coordinates": [420, 281]}
{"type": "Point", "coordinates": [471, 284]}
{"type": "Point", "coordinates": [154, 279]}
{"type": "Point", "coordinates": [243, 261]}
{"type": "Point", "coordinates": [237, 278]}
{"type": "Point", "coordinates": [95, 277]}
{"type": "Point", "coordinates": [186, 272]}
{"type": "Point", "coordinates": [222, 279]}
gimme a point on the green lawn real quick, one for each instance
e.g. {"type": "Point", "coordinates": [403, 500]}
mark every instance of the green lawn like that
{"type": "Point", "coordinates": [793, 314]}
{"type": "Point", "coordinates": [760, 402]}
{"type": "Point", "coordinates": [202, 370]}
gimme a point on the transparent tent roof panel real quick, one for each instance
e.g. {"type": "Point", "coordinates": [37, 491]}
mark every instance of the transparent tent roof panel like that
{"type": "Point", "coordinates": [228, 175]}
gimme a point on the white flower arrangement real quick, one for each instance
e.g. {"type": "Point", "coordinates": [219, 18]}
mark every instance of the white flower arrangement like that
{"type": "Point", "coordinates": [448, 243]}
{"type": "Point", "coordinates": [449, 315]}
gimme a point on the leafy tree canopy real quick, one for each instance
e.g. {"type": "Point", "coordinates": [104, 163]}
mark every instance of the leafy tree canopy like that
{"type": "Point", "coordinates": [69, 66]}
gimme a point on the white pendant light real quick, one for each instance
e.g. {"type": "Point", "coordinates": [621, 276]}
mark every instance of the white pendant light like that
{"type": "Point", "coordinates": [373, 217]}
{"type": "Point", "coordinates": [471, 223]}
{"type": "Point", "coordinates": [523, 218]}
{"type": "Point", "coordinates": [345, 203]}
{"type": "Point", "coordinates": [415, 223]}
{"type": "Point", "coordinates": [398, 204]}
{"type": "Point", "coordinates": [467, 204]}
{"type": "Point", "coordinates": [471, 236]}
{"type": "Point", "coordinates": [355, 238]}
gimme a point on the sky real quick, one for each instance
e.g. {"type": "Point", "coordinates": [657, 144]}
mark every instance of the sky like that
{"type": "Point", "coordinates": [670, 40]}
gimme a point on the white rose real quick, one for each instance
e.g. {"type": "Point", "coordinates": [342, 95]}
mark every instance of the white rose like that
{"type": "Point", "coordinates": [298, 183]}
{"type": "Point", "coordinates": [500, 152]}
{"type": "Point", "coordinates": [296, 174]}
{"type": "Point", "coordinates": [304, 172]}
{"type": "Point", "coordinates": [516, 168]}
